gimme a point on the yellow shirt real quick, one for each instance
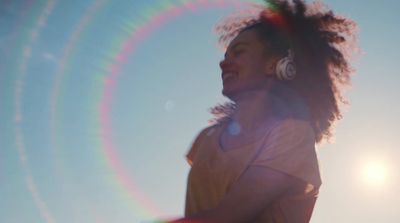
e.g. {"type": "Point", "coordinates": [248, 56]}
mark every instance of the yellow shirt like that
{"type": "Point", "coordinates": [287, 146]}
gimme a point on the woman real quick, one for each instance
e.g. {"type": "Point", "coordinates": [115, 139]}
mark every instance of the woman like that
{"type": "Point", "coordinates": [283, 72]}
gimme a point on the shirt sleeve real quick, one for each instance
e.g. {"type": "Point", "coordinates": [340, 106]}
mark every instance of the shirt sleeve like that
{"type": "Point", "coordinates": [192, 151]}
{"type": "Point", "coordinates": [290, 148]}
{"type": "Point", "coordinates": [191, 154]}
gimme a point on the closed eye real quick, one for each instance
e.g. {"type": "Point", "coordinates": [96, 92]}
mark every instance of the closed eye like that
{"type": "Point", "coordinates": [236, 49]}
{"type": "Point", "coordinates": [237, 52]}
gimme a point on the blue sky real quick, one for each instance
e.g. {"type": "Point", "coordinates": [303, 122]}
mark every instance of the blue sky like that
{"type": "Point", "coordinates": [55, 168]}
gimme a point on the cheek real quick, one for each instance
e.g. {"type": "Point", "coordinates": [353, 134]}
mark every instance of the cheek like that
{"type": "Point", "coordinates": [246, 63]}
{"type": "Point", "coordinates": [252, 67]}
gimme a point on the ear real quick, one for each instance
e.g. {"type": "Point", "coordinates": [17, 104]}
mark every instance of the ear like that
{"type": "Point", "coordinates": [270, 66]}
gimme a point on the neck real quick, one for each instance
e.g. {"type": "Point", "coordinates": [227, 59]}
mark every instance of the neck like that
{"type": "Point", "coordinates": [253, 110]}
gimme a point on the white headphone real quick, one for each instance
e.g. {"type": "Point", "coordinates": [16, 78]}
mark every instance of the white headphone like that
{"type": "Point", "coordinates": [285, 68]}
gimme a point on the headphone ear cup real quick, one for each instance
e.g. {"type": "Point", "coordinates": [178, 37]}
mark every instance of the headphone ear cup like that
{"type": "Point", "coordinates": [285, 68]}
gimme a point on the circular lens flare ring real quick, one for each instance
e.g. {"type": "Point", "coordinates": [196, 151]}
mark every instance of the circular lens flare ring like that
{"type": "Point", "coordinates": [127, 47]}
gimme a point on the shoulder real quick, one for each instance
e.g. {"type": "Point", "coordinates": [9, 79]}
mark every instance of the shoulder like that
{"type": "Point", "coordinates": [289, 139]}
{"type": "Point", "coordinates": [290, 148]}
{"type": "Point", "coordinates": [199, 139]}
{"type": "Point", "coordinates": [292, 129]}
{"type": "Point", "coordinates": [207, 131]}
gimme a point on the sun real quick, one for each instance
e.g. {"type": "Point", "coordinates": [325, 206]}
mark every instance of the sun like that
{"type": "Point", "coordinates": [375, 173]}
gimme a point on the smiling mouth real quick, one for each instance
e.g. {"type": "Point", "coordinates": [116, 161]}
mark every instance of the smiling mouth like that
{"type": "Point", "coordinates": [228, 75]}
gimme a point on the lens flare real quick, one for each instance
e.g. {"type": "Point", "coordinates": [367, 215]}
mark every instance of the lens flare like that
{"type": "Point", "coordinates": [135, 30]}
{"type": "Point", "coordinates": [375, 173]}
{"type": "Point", "coordinates": [18, 106]}
{"type": "Point", "coordinates": [138, 33]}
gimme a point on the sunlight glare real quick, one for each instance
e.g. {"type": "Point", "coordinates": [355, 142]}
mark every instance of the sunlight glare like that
{"type": "Point", "coordinates": [375, 173]}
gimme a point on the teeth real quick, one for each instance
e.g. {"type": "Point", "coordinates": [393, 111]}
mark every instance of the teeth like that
{"type": "Point", "coordinates": [227, 75]}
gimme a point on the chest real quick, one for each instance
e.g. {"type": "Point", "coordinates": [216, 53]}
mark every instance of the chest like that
{"type": "Point", "coordinates": [219, 166]}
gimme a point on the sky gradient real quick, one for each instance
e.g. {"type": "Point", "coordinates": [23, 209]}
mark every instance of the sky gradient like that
{"type": "Point", "coordinates": [100, 100]}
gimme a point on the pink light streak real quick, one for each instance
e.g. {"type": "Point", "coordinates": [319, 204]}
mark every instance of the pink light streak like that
{"type": "Point", "coordinates": [109, 86]}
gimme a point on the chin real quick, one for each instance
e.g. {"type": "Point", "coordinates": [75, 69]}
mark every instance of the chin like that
{"type": "Point", "coordinates": [229, 93]}
{"type": "Point", "coordinates": [234, 93]}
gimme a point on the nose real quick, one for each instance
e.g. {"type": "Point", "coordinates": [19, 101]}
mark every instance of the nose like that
{"type": "Point", "coordinates": [224, 64]}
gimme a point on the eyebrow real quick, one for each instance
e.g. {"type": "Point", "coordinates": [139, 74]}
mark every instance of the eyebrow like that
{"type": "Point", "coordinates": [235, 46]}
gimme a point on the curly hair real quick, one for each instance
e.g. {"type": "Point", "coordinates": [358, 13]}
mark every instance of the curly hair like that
{"type": "Point", "coordinates": [322, 43]}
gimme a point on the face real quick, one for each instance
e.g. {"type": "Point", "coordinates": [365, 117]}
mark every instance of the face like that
{"type": "Point", "coordinates": [245, 66]}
